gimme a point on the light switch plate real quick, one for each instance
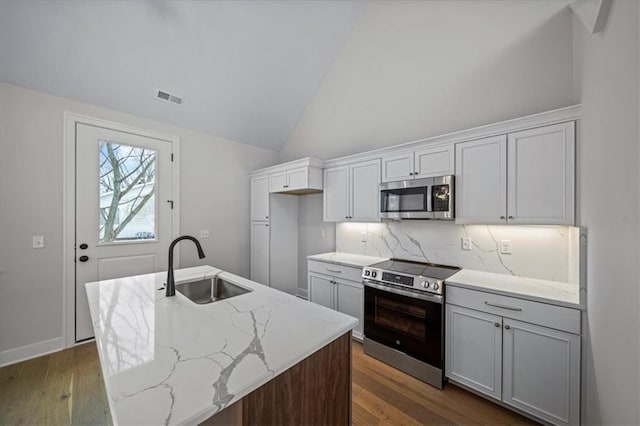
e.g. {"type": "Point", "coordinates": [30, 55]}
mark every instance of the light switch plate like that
{"type": "Point", "coordinates": [505, 246]}
{"type": "Point", "coordinates": [38, 241]}
{"type": "Point", "coordinates": [204, 233]}
{"type": "Point", "coordinates": [466, 243]}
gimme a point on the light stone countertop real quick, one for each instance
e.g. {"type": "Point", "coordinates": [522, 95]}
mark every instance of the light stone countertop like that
{"type": "Point", "coordinates": [551, 292]}
{"type": "Point", "coordinates": [346, 259]}
{"type": "Point", "coordinates": [171, 361]}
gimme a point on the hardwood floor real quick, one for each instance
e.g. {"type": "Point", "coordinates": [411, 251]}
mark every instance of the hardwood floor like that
{"type": "Point", "coordinates": [67, 388]}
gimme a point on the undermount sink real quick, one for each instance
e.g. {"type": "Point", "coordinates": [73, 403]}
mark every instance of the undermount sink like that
{"type": "Point", "coordinates": [210, 290]}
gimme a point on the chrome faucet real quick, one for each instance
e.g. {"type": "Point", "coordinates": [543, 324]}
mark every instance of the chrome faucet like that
{"type": "Point", "coordinates": [171, 283]}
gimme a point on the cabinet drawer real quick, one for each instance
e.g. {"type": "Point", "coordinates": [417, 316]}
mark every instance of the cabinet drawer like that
{"type": "Point", "coordinates": [552, 316]}
{"type": "Point", "coordinates": [338, 271]}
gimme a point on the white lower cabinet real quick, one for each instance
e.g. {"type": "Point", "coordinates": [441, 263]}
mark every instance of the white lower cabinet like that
{"type": "Point", "coordinates": [534, 368]}
{"type": "Point", "coordinates": [474, 350]}
{"type": "Point", "coordinates": [336, 292]}
{"type": "Point", "coordinates": [541, 371]}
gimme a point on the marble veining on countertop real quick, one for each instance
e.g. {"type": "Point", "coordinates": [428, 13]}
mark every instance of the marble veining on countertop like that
{"type": "Point", "coordinates": [167, 360]}
{"type": "Point", "coordinates": [347, 259]}
{"type": "Point", "coordinates": [552, 292]}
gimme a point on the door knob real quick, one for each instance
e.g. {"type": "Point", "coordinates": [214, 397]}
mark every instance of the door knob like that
{"type": "Point", "coordinates": [506, 327]}
{"type": "Point", "coordinates": [497, 324]}
{"type": "Point", "coordinates": [84, 246]}
{"type": "Point", "coordinates": [83, 258]}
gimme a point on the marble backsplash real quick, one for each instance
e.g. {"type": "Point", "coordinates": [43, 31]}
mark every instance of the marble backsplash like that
{"type": "Point", "coordinates": [544, 252]}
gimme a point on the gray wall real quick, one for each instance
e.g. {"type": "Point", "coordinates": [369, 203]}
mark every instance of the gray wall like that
{"type": "Point", "coordinates": [214, 190]}
{"type": "Point", "coordinates": [606, 81]}
{"type": "Point", "coordinates": [414, 69]}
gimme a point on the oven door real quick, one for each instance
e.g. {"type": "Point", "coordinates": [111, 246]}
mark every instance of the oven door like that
{"type": "Point", "coordinates": [409, 199]}
{"type": "Point", "coordinates": [404, 320]}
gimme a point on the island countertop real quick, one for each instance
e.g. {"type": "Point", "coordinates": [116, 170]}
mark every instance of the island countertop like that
{"type": "Point", "coordinates": [167, 360]}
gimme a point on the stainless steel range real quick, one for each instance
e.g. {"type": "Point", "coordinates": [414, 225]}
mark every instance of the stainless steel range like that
{"type": "Point", "coordinates": [404, 316]}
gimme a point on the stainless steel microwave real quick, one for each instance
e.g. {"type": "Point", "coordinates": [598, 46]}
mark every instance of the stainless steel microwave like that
{"type": "Point", "coordinates": [427, 198]}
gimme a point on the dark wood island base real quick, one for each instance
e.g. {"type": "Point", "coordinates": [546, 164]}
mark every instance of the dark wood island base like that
{"type": "Point", "coordinates": [316, 391]}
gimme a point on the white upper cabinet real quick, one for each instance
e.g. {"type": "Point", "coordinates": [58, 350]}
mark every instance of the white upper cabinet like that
{"type": "Point", "coordinates": [397, 167]}
{"type": "Point", "coordinates": [351, 193]}
{"type": "Point", "coordinates": [541, 175]}
{"type": "Point", "coordinates": [525, 177]}
{"type": "Point", "coordinates": [426, 162]}
{"type": "Point", "coordinates": [432, 162]}
{"type": "Point", "coordinates": [300, 180]}
{"type": "Point", "coordinates": [260, 198]}
{"type": "Point", "coordinates": [364, 191]}
{"type": "Point", "coordinates": [336, 194]}
{"type": "Point", "coordinates": [481, 181]}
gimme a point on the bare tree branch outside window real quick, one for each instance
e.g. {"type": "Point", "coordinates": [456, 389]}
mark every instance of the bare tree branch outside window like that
{"type": "Point", "coordinates": [127, 189]}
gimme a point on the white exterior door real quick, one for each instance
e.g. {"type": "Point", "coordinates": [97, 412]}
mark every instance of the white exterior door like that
{"type": "Point", "coordinates": [474, 349]}
{"type": "Point", "coordinates": [123, 217]}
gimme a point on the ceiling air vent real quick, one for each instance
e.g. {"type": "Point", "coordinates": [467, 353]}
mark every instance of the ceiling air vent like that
{"type": "Point", "coordinates": [163, 95]}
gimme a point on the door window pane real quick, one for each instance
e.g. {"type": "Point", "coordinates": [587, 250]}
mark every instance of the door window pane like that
{"type": "Point", "coordinates": [127, 193]}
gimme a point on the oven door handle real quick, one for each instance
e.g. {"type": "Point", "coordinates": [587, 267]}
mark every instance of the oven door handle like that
{"type": "Point", "coordinates": [426, 296]}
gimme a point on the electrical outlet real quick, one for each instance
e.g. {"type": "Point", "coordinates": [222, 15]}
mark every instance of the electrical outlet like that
{"type": "Point", "coordinates": [505, 246]}
{"type": "Point", "coordinates": [38, 241]}
{"type": "Point", "coordinates": [323, 234]}
{"type": "Point", "coordinates": [363, 236]}
{"type": "Point", "coordinates": [466, 243]}
{"type": "Point", "coordinates": [204, 233]}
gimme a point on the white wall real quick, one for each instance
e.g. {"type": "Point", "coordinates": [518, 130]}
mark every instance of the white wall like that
{"type": "Point", "coordinates": [414, 69]}
{"type": "Point", "coordinates": [214, 195]}
{"type": "Point", "coordinates": [606, 81]}
{"type": "Point", "coordinates": [314, 235]}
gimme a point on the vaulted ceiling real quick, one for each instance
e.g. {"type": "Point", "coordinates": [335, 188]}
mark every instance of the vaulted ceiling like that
{"type": "Point", "coordinates": [246, 69]}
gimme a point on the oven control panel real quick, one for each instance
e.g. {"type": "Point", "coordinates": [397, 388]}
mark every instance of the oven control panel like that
{"type": "Point", "coordinates": [420, 283]}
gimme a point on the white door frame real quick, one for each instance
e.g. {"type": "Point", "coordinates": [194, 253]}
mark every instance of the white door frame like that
{"type": "Point", "coordinates": [71, 120]}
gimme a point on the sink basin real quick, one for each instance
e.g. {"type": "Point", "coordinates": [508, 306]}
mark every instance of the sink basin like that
{"type": "Point", "coordinates": [210, 290]}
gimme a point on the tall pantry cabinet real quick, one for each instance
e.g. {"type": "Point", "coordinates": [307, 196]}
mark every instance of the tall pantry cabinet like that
{"type": "Point", "coordinates": [274, 237]}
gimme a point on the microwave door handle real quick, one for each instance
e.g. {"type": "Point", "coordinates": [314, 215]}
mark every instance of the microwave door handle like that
{"type": "Point", "coordinates": [429, 200]}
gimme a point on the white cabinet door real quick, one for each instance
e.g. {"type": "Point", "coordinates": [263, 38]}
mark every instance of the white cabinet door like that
{"type": "Point", "coordinates": [481, 181]}
{"type": "Point", "coordinates": [297, 178]}
{"type": "Point", "coordinates": [541, 180]}
{"type": "Point", "coordinates": [430, 162]}
{"type": "Point", "coordinates": [278, 182]}
{"type": "Point", "coordinates": [474, 349]}
{"type": "Point", "coordinates": [397, 167]}
{"type": "Point", "coordinates": [260, 252]}
{"type": "Point", "coordinates": [364, 191]}
{"type": "Point", "coordinates": [321, 290]}
{"type": "Point", "coordinates": [259, 198]}
{"type": "Point", "coordinates": [542, 371]}
{"type": "Point", "coordinates": [350, 301]}
{"type": "Point", "coordinates": [336, 194]}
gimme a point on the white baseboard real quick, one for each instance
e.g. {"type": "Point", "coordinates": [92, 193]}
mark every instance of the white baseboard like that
{"type": "Point", "coordinates": [302, 293]}
{"type": "Point", "coordinates": [34, 350]}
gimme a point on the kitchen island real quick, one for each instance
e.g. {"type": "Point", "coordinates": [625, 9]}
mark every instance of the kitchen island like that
{"type": "Point", "coordinates": [264, 357]}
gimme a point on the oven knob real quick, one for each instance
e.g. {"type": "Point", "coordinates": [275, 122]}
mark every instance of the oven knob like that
{"type": "Point", "coordinates": [436, 286]}
{"type": "Point", "coordinates": [425, 284]}
{"type": "Point", "coordinates": [373, 274]}
{"type": "Point", "coordinates": [367, 273]}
